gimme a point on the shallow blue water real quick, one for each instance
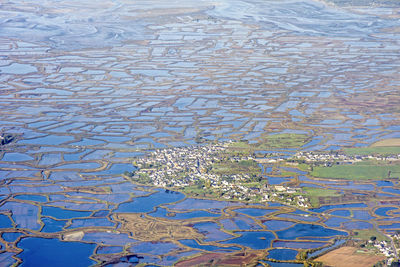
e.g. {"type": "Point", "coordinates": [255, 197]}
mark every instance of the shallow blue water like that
{"type": "Point", "coordinates": [344, 213]}
{"type": "Point", "coordinates": [53, 252]}
{"type": "Point", "coordinates": [384, 210]}
{"type": "Point", "coordinates": [60, 213]}
{"type": "Point", "coordinates": [282, 254]}
{"type": "Point", "coordinates": [391, 190]}
{"type": "Point", "coordinates": [255, 212]}
{"type": "Point", "coordinates": [5, 221]}
{"type": "Point", "coordinates": [339, 206]}
{"type": "Point", "coordinates": [302, 230]}
{"type": "Point", "coordinates": [335, 221]}
{"type": "Point", "coordinates": [16, 157]}
{"type": "Point", "coordinates": [384, 183]}
{"type": "Point", "coordinates": [11, 236]}
{"type": "Point", "coordinates": [277, 225]}
{"type": "Point", "coordinates": [51, 226]}
{"type": "Point", "coordinates": [109, 250]}
{"type": "Point", "coordinates": [254, 240]}
{"type": "Point", "coordinates": [148, 203]}
{"type": "Point", "coordinates": [37, 198]}
{"type": "Point", "coordinates": [116, 168]}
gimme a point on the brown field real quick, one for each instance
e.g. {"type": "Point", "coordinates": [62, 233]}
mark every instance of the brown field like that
{"type": "Point", "coordinates": [150, 229]}
{"type": "Point", "coordinates": [347, 257]}
{"type": "Point", "coordinates": [221, 259]}
{"type": "Point", "coordinates": [387, 142]}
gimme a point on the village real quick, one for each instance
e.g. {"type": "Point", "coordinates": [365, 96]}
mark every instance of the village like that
{"type": "Point", "coordinates": [188, 167]}
{"type": "Point", "coordinates": [329, 158]}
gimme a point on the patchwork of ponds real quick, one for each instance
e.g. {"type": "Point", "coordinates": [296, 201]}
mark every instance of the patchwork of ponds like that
{"type": "Point", "coordinates": [148, 203]}
{"type": "Point", "coordinates": [84, 104]}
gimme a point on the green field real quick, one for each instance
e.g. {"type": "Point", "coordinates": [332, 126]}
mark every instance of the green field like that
{"type": "Point", "coordinates": [272, 141]}
{"type": "Point", "coordinates": [228, 167]}
{"type": "Point", "coordinates": [366, 235]}
{"type": "Point", "coordinates": [357, 172]}
{"type": "Point", "coordinates": [314, 193]}
{"type": "Point", "coordinates": [381, 151]}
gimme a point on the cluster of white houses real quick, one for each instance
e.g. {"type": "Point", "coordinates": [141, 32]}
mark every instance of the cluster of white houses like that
{"type": "Point", "coordinates": [342, 158]}
{"type": "Point", "coordinates": [187, 166]}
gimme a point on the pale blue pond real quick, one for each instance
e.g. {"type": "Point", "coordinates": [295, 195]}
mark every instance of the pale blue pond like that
{"type": "Point", "coordinates": [282, 254]}
{"type": "Point", "coordinates": [148, 203]}
{"type": "Point", "coordinates": [101, 213]}
{"type": "Point", "coordinates": [384, 210]}
{"type": "Point", "coordinates": [81, 165]}
{"type": "Point", "coordinates": [53, 252]}
{"type": "Point", "coordinates": [91, 222]}
{"type": "Point", "coordinates": [278, 180]}
{"type": "Point", "coordinates": [11, 236]}
{"type": "Point", "coordinates": [48, 140]}
{"type": "Point", "coordinates": [335, 221]}
{"type": "Point", "coordinates": [116, 168]}
{"type": "Point", "coordinates": [303, 230]}
{"type": "Point", "coordinates": [127, 154]}
{"type": "Point", "coordinates": [88, 142]}
{"type": "Point", "coordinates": [240, 222]}
{"type": "Point", "coordinates": [339, 206]}
{"type": "Point", "coordinates": [211, 231]}
{"type": "Point", "coordinates": [256, 212]}
{"type": "Point", "coordinates": [306, 218]}
{"type": "Point", "coordinates": [352, 185]}
{"type": "Point", "coordinates": [16, 157]}
{"type": "Point", "coordinates": [391, 190]}
{"type": "Point", "coordinates": [52, 226]}
{"type": "Point", "coordinates": [277, 225]}
{"type": "Point", "coordinates": [109, 249]}
{"type": "Point", "coordinates": [384, 183]}
{"type": "Point", "coordinates": [390, 226]}
{"type": "Point", "coordinates": [254, 240]}
{"type": "Point", "coordinates": [206, 204]}
{"type": "Point", "coordinates": [60, 213]}
{"type": "Point", "coordinates": [37, 198]}
{"type": "Point", "coordinates": [17, 68]}
{"type": "Point", "coordinates": [362, 215]}
{"type": "Point", "coordinates": [357, 225]}
{"type": "Point", "coordinates": [75, 156]}
{"type": "Point", "coordinates": [344, 213]}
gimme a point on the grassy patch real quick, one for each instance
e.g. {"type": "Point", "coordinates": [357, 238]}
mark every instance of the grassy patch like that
{"type": "Point", "coordinates": [378, 151]}
{"type": "Point", "coordinates": [357, 172]}
{"type": "Point", "coordinates": [366, 235]}
{"type": "Point", "coordinates": [272, 141]}
{"type": "Point", "coordinates": [228, 167]}
{"type": "Point", "coordinates": [284, 141]}
{"type": "Point", "coordinates": [313, 194]}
